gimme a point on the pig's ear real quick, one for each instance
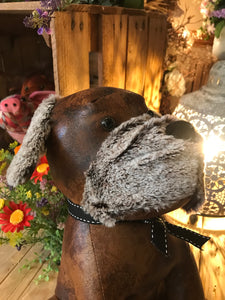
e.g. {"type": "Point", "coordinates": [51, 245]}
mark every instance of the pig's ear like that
{"type": "Point", "coordinates": [39, 96]}
{"type": "Point", "coordinates": [25, 161]}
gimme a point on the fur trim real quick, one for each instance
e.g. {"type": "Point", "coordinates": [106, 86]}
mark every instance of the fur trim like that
{"type": "Point", "coordinates": [25, 161]}
{"type": "Point", "coordinates": [139, 167]}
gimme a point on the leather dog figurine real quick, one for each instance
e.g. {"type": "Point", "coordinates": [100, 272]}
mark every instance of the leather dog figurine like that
{"type": "Point", "coordinates": [127, 167]}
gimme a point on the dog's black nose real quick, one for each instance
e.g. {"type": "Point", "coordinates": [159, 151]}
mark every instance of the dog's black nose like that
{"type": "Point", "coordinates": [181, 130]}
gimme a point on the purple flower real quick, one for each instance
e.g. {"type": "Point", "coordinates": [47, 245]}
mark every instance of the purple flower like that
{"type": "Point", "coordinates": [40, 30]}
{"type": "Point", "coordinates": [48, 30]}
{"type": "Point", "coordinates": [51, 5]}
{"type": "Point", "coordinates": [18, 247]}
{"type": "Point", "coordinates": [218, 13]}
{"type": "Point", "coordinates": [40, 11]}
{"type": "Point", "coordinates": [42, 202]}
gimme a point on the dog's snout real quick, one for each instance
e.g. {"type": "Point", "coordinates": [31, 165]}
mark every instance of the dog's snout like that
{"type": "Point", "coordinates": [181, 130]}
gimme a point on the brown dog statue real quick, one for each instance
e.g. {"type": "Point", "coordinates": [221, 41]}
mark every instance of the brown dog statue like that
{"type": "Point", "coordinates": [122, 168]}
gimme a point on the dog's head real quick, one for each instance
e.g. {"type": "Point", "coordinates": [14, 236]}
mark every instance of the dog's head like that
{"type": "Point", "coordinates": [109, 153]}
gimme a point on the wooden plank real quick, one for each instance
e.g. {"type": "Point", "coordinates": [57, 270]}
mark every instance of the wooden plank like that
{"type": "Point", "coordinates": [212, 268]}
{"type": "Point", "coordinates": [10, 258]}
{"type": "Point", "coordinates": [136, 53]}
{"type": "Point", "coordinates": [70, 48]}
{"type": "Point", "coordinates": [19, 7]}
{"type": "Point", "coordinates": [113, 48]}
{"type": "Point", "coordinates": [156, 52]}
{"type": "Point", "coordinates": [44, 290]}
{"type": "Point", "coordinates": [16, 281]}
{"type": "Point", "coordinates": [198, 76]}
{"type": "Point", "coordinates": [101, 9]}
{"type": "Point", "coordinates": [205, 73]}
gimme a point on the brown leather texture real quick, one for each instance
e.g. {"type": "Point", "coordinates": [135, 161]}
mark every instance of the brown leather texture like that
{"type": "Point", "coordinates": [100, 263]}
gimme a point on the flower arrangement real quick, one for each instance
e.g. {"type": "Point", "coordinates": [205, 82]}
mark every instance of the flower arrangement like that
{"type": "Point", "coordinates": [32, 213]}
{"type": "Point", "coordinates": [213, 12]}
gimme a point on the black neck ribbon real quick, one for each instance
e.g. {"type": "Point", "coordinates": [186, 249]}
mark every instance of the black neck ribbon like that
{"type": "Point", "coordinates": [159, 229]}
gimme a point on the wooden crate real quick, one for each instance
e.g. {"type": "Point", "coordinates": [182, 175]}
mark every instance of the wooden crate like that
{"type": "Point", "coordinates": [109, 46]}
{"type": "Point", "coordinates": [22, 50]}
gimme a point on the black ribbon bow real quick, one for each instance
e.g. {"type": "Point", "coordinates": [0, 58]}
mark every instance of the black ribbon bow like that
{"type": "Point", "coordinates": [159, 229]}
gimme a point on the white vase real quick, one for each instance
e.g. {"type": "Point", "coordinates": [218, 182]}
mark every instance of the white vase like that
{"type": "Point", "coordinates": [218, 49]}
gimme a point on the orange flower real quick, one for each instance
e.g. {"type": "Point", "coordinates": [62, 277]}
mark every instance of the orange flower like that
{"type": "Point", "coordinates": [17, 149]}
{"type": "Point", "coordinates": [15, 217]}
{"type": "Point", "coordinates": [41, 170]}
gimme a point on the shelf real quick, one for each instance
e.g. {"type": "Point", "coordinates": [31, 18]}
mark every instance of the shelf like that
{"type": "Point", "coordinates": [18, 7]}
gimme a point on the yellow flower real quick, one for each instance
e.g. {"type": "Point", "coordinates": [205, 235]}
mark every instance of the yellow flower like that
{"type": "Point", "coordinates": [29, 195]}
{"type": "Point", "coordinates": [16, 217]}
{"type": "Point", "coordinates": [2, 203]}
{"type": "Point", "coordinates": [14, 238]}
{"type": "Point", "coordinates": [37, 195]}
{"type": "Point", "coordinates": [54, 189]}
{"type": "Point", "coordinates": [45, 211]}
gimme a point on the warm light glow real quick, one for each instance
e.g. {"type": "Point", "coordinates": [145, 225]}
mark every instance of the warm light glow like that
{"type": "Point", "coordinates": [212, 146]}
{"type": "Point", "coordinates": [186, 33]}
{"type": "Point", "coordinates": [189, 37]}
{"type": "Point", "coordinates": [209, 223]}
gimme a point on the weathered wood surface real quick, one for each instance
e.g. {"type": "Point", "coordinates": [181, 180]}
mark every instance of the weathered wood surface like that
{"type": "Point", "coordinates": [137, 44]}
{"type": "Point", "coordinates": [71, 47]}
{"type": "Point", "coordinates": [129, 49]}
{"type": "Point", "coordinates": [108, 10]}
{"type": "Point", "coordinates": [19, 7]}
{"type": "Point", "coordinates": [113, 49]}
{"type": "Point", "coordinates": [20, 285]}
{"type": "Point", "coordinates": [211, 259]}
{"type": "Point", "coordinates": [155, 57]}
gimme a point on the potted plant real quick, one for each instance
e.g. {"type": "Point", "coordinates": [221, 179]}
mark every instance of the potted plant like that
{"type": "Point", "coordinates": [213, 12]}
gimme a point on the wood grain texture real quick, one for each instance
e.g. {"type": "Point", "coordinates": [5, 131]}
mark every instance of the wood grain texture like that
{"type": "Point", "coordinates": [19, 7]}
{"type": "Point", "coordinates": [16, 284]}
{"type": "Point", "coordinates": [70, 47]}
{"type": "Point", "coordinates": [136, 53]}
{"type": "Point", "coordinates": [113, 49]}
{"type": "Point", "coordinates": [155, 57]}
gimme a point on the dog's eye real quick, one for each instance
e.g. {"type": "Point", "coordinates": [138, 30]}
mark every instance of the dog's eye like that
{"type": "Point", "coordinates": [151, 113]}
{"type": "Point", "coordinates": [108, 123]}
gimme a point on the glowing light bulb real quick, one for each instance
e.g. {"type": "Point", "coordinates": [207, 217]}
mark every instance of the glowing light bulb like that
{"type": "Point", "coordinates": [212, 146]}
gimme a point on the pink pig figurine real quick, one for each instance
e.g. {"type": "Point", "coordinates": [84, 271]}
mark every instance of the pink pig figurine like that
{"type": "Point", "coordinates": [16, 114]}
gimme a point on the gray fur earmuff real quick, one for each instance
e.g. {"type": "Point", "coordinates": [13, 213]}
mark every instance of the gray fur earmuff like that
{"type": "Point", "coordinates": [140, 167]}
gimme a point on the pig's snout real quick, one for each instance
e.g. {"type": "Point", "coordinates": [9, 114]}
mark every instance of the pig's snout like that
{"type": "Point", "coordinates": [182, 130]}
{"type": "Point", "coordinates": [10, 105]}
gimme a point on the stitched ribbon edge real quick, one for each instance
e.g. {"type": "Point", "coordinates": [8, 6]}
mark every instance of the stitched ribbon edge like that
{"type": "Point", "coordinates": [158, 226]}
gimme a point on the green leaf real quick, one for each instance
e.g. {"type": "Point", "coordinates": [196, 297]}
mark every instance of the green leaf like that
{"type": "Point", "coordinates": [219, 27]}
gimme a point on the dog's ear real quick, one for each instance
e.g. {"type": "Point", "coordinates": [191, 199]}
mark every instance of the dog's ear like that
{"type": "Point", "coordinates": [25, 161]}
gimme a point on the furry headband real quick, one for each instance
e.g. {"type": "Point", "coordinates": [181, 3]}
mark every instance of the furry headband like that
{"type": "Point", "coordinates": [139, 167]}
